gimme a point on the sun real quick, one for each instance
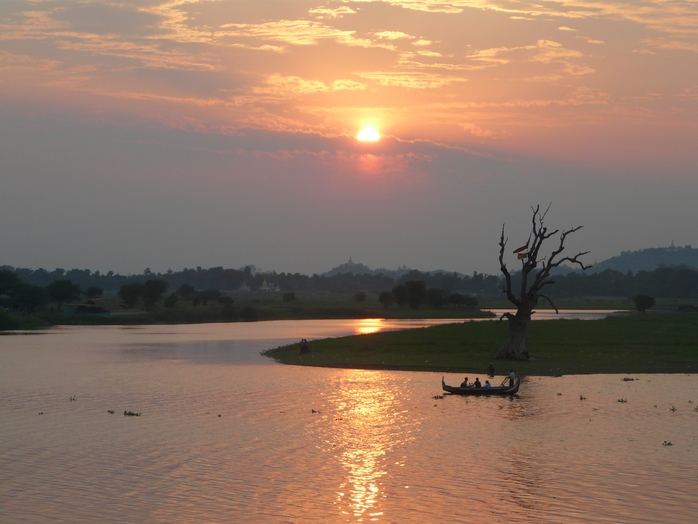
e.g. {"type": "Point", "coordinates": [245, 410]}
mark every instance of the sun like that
{"type": "Point", "coordinates": [368, 134]}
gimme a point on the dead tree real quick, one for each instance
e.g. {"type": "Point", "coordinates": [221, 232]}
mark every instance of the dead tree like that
{"type": "Point", "coordinates": [516, 343]}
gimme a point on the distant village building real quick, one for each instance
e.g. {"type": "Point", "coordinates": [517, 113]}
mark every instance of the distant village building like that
{"type": "Point", "coordinates": [267, 288]}
{"type": "Point", "coordinates": [244, 288]}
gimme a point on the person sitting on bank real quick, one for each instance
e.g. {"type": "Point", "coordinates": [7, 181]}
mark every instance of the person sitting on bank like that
{"type": "Point", "coordinates": [464, 384]}
{"type": "Point", "coordinates": [477, 384]}
{"type": "Point", "coordinates": [304, 346]}
{"type": "Point", "coordinates": [512, 377]}
{"type": "Point", "coordinates": [487, 384]}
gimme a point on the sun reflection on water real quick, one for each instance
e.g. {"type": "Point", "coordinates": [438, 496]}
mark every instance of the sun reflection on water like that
{"type": "Point", "coordinates": [366, 326]}
{"type": "Point", "coordinates": [370, 422]}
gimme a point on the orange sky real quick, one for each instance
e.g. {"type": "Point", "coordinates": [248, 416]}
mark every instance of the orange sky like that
{"type": "Point", "coordinates": [478, 102]}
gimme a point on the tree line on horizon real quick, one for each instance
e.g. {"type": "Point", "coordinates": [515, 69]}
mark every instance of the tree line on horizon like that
{"type": "Point", "coordinates": [233, 279]}
{"type": "Point", "coordinates": [663, 282]}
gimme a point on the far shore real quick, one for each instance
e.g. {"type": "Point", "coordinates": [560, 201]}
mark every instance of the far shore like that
{"type": "Point", "coordinates": [244, 310]}
{"type": "Point", "coordinates": [250, 308]}
{"type": "Point", "coordinates": [649, 343]}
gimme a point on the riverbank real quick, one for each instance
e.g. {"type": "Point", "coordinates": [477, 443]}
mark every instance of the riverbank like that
{"type": "Point", "coordinates": [651, 343]}
{"type": "Point", "coordinates": [244, 310]}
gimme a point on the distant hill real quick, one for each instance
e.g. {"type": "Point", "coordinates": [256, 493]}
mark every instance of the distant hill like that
{"type": "Point", "coordinates": [650, 259]}
{"type": "Point", "coordinates": [361, 269]}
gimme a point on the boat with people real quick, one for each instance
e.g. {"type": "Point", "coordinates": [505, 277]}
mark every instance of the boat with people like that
{"type": "Point", "coordinates": [505, 389]}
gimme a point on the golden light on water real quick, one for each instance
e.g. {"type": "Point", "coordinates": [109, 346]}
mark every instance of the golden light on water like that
{"type": "Point", "coordinates": [366, 326]}
{"type": "Point", "coordinates": [365, 429]}
{"type": "Point", "coordinates": [368, 134]}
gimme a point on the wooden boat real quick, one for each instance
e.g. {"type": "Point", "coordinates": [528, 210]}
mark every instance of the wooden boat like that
{"type": "Point", "coordinates": [494, 390]}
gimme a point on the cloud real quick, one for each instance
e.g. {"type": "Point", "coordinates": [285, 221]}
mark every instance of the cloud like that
{"type": "Point", "coordinates": [478, 131]}
{"type": "Point", "coordinates": [12, 61]}
{"type": "Point", "coordinates": [544, 52]}
{"type": "Point", "coordinates": [425, 52]}
{"type": "Point", "coordinates": [347, 85]}
{"type": "Point", "coordinates": [659, 15]}
{"type": "Point", "coordinates": [290, 86]}
{"type": "Point", "coordinates": [410, 80]}
{"type": "Point", "coordinates": [671, 45]}
{"type": "Point", "coordinates": [325, 12]}
{"type": "Point", "coordinates": [295, 32]}
{"type": "Point", "coordinates": [392, 35]}
{"type": "Point", "coordinates": [293, 86]}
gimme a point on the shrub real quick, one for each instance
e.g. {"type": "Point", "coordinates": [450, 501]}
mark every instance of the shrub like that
{"type": "Point", "coordinates": [643, 303]}
{"type": "Point", "coordinates": [248, 314]}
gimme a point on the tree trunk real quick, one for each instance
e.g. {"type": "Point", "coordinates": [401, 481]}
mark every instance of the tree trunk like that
{"type": "Point", "coordinates": [515, 346]}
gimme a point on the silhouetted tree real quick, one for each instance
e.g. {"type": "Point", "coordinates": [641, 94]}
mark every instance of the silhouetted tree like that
{"type": "Point", "coordinates": [643, 303]}
{"type": "Point", "coordinates": [416, 293]}
{"type": "Point", "coordinates": [359, 296]}
{"type": "Point", "coordinates": [526, 298]}
{"type": "Point", "coordinates": [28, 298]}
{"type": "Point", "coordinates": [386, 298]}
{"type": "Point", "coordinates": [171, 301]}
{"type": "Point", "coordinates": [153, 290]}
{"type": "Point", "coordinates": [185, 291]}
{"type": "Point", "coordinates": [288, 297]}
{"type": "Point", "coordinates": [130, 294]}
{"type": "Point", "coordinates": [226, 301]}
{"type": "Point", "coordinates": [400, 294]}
{"type": "Point", "coordinates": [436, 297]}
{"type": "Point", "coordinates": [8, 281]}
{"type": "Point", "coordinates": [61, 291]}
{"type": "Point", "coordinates": [208, 295]}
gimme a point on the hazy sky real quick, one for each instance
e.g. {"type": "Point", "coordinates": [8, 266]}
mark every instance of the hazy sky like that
{"type": "Point", "coordinates": [171, 134]}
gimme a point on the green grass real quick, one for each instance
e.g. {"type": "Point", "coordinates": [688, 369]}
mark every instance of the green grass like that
{"type": "Point", "coordinates": [652, 343]}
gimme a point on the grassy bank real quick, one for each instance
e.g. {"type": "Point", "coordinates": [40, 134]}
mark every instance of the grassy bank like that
{"type": "Point", "coordinates": [652, 343]}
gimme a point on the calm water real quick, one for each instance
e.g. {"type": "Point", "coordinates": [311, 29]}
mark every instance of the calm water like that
{"type": "Point", "coordinates": [379, 448]}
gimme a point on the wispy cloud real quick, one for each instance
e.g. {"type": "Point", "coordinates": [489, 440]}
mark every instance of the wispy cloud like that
{"type": "Point", "coordinates": [326, 12]}
{"type": "Point", "coordinates": [410, 80]}
{"type": "Point", "coordinates": [321, 66]}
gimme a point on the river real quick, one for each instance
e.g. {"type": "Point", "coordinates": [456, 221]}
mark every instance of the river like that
{"type": "Point", "coordinates": [295, 444]}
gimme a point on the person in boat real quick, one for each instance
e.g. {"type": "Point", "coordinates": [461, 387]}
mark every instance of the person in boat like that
{"type": "Point", "coordinates": [487, 384]}
{"type": "Point", "coordinates": [477, 383]}
{"type": "Point", "coordinates": [464, 384]}
{"type": "Point", "coordinates": [512, 377]}
{"type": "Point", "coordinates": [490, 370]}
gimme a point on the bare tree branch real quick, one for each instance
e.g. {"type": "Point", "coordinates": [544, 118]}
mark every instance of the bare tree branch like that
{"type": "Point", "coordinates": [504, 315]}
{"type": "Point", "coordinates": [551, 263]}
{"type": "Point", "coordinates": [503, 267]}
{"type": "Point", "coordinates": [546, 297]}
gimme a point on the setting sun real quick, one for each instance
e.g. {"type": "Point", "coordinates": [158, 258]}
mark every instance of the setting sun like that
{"type": "Point", "coordinates": [368, 134]}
